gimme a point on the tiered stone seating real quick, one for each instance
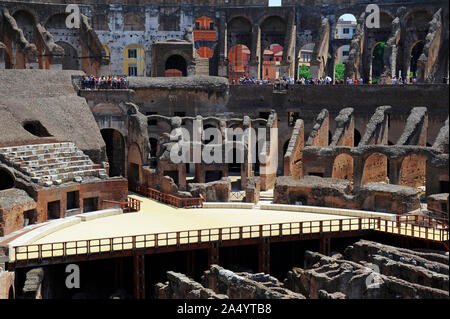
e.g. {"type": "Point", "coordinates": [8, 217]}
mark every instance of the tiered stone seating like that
{"type": "Point", "coordinates": [51, 164]}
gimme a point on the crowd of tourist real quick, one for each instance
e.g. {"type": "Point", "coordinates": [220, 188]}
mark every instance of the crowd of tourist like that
{"type": "Point", "coordinates": [104, 82]}
{"type": "Point", "coordinates": [284, 82]}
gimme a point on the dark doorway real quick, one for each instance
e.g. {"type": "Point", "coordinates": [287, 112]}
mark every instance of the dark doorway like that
{"type": "Point", "coordinates": [53, 210]}
{"type": "Point", "coordinates": [177, 62]}
{"type": "Point", "coordinates": [70, 60]}
{"type": "Point", "coordinates": [133, 173]}
{"type": "Point", "coordinates": [115, 151]}
{"type": "Point", "coordinates": [28, 217]}
{"type": "Point", "coordinates": [211, 176]}
{"type": "Point", "coordinates": [415, 55]}
{"type": "Point", "coordinates": [73, 200]}
{"type": "Point", "coordinates": [6, 179]}
{"type": "Point", "coordinates": [90, 204]}
{"type": "Point", "coordinates": [173, 175]}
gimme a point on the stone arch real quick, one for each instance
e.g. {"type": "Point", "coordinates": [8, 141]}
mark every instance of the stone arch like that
{"type": "Point", "coordinates": [343, 167]}
{"type": "Point", "coordinates": [376, 61]}
{"type": "Point", "coordinates": [134, 169]}
{"type": "Point", "coordinates": [375, 168]}
{"type": "Point", "coordinates": [417, 20]}
{"type": "Point", "coordinates": [239, 31]}
{"type": "Point", "coordinates": [344, 25]}
{"type": "Point", "coordinates": [175, 65]}
{"type": "Point", "coordinates": [26, 21]}
{"type": "Point", "coordinates": [70, 60]}
{"type": "Point", "coordinates": [56, 21]}
{"type": "Point", "coordinates": [304, 57]}
{"type": "Point", "coordinates": [413, 170]}
{"type": "Point", "coordinates": [7, 179]}
{"type": "Point", "coordinates": [415, 50]}
{"type": "Point", "coordinates": [115, 151]}
{"type": "Point", "coordinates": [273, 30]}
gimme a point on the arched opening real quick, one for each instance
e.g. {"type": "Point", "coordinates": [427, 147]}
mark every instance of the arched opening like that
{"type": "Point", "coordinates": [6, 179]}
{"type": "Point", "coordinates": [273, 32]}
{"type": "Point", "coordinates": [115, 151]}
{"type": "Point", "coordinates": [70, 60]}
{"type": "Point", "coordinates": [56, 21]}
{"type": "Point", "coordinates": [416, 51]}
{"type": "Point", "coordinates": [343, 167]}
{"type": "Point", "coordinates": [272, 58]}
{"type": "Point", "coordinates": [375, 169]}
{"type": "Point", "coordinates": [357, 137]}
{"type": "Point", "coordinates": [25, 21]}
{"type": "Point", "coordinates": [377, 61]}
{"type": "Point", "coordinates": [413, 170]}
{"type": "Point", "coordinates": [175, 66]}
{"type": "Point", "coordinates": [304, 60]}
{"type": "Point", "coordinates": [36, 128]}
{"type": "Point", "coordinates": [134, 60]}
{"type": "Point", "coordinates": [239, 30]}
{"type": "Point", "coordinates": [345, 26]}
{"type": "Point", "coordinates": [342, 54]}
{"type": "Point", "coordinates": [134, 164]}
{"type": "Point", "coordinates": [238, 60]}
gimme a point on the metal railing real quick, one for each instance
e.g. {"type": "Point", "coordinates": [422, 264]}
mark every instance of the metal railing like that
{"type": "Point", "coordinates": [421, 220]}
{"type": "Point", "coordinates": [178, 238]}
{"type": "Point", "coordinates": [166, 198]}
{"type": "Point", "coordinates": [131, 205]}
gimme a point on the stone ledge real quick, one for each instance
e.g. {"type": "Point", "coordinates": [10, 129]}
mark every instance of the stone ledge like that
{"type": "Point", "coordinates": [228, 205]}
{"type": "Point", "coordinates": [329, 211]}
{"type": "Point", "coordinates": [99, 214]}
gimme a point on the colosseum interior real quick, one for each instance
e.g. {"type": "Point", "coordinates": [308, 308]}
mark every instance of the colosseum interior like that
{"type": "Point", "coordinates": [224, 149]}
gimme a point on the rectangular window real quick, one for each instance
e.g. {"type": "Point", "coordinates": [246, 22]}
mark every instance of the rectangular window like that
{"type": "Point", "coordinates": [344, 53]}
{"type": "Point", "coordinates": [132, 53]}
{"type": "Point", "coordinates": [267, 71]}
{"type": "Point", "coordinates": [197, 25]}
{"type": "Point", "coordinates": [73, 200]}
{"type": "Point", "coordinates": [132, 70]}
{"type": "Point", "coordinates": [346, 31]}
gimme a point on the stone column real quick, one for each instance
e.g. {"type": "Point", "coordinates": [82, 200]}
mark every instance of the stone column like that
{"type": "Point", "coordinates": [222, 42]}
{"type": "Point", "coordinates": [255, 70]}
{"type": "Point", "coordinates": [139, 276]}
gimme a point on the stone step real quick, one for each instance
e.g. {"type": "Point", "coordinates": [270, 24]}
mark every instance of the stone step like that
{"type": "Point", "coordinates": [21, 148]}
{"type": "Point", "coordinates": [61, 171]}
{"type": "Point", "coordinates": [46, 156]}
{"type": "Point", "coordinates": [55, 160]}
{"type": "Point", "coordinates": [42, 151]}
{"type": "Point", "coordinates": [66, 177]}
{"type": "Point", "coordinates": [56, 165]}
